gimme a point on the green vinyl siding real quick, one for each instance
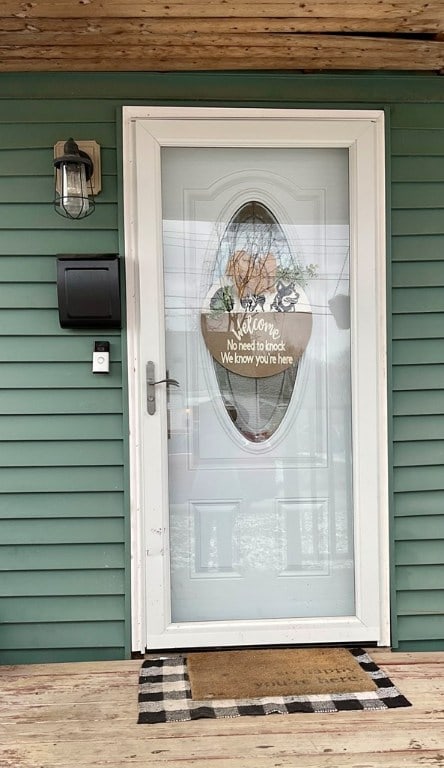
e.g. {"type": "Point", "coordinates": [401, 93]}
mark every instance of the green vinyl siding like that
{"type": "Point", "coordinates": [418, 375]}
{"type": "Point", "coordinates": [63, 515]}
{"type": "Point", "coordinates": [64, 510]}
{"type": "Point", "coordinates": [404, 249]}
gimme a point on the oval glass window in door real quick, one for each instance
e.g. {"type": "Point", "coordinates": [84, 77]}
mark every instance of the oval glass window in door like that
{"type": "Point", "coordinates": [256, 320]}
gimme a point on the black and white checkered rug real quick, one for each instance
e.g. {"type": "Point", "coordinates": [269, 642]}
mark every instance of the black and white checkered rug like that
{"type": "Point", "coordinates": [165, 695]}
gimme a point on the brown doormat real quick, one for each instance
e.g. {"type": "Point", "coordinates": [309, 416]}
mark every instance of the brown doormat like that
{"type": "Point", "coordinates": [165, 692]}
{"type": "Point", "coordinates": [250, 674]}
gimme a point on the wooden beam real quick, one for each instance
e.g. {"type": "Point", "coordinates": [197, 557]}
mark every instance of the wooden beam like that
{"type": "Point", "coordinates": [218, 53]}
{"type": "Point", "coordinates": [365, 9]}
{"type": "Point", "coordinates": [95, 35]}
{"type": "Point", "coordinates": [46, 31]}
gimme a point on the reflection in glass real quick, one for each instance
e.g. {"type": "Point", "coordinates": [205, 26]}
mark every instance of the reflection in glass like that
{"type": "Point", "coordinates": [256, 406]}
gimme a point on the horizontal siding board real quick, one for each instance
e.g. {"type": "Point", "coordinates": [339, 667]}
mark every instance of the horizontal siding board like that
{"type": "Point", "coordinates": [17, 162]}
{"type": "Point", "coordinates": [61, 505]}
{"type": "Point", "coordinates": [57, 479]}
{"type": "Point", "coordinates": [262, 88]}
{"type": "Point", "coordinates": [419, 527]}
{"type": "Point", "coordinates": [412, 627]}
{"type": "Point", "coordinates": [85, 401]}
{"type": "Point", "coordinates": [16, 242]}
{"type": "Point", "coordinates": [25, 610]}
{"type": "Point", "coordinates": [418, 479]}
{"type": "Point", "coordinates": [66, 427]}
{"type": "Point", "coordinates": [28, 296]}
{"type": "Point", "coordinates": [62, 110]}
{"type": "Point", "coordinates": [412, 196]}
{"type": "Point", "coordinates": [17, 322]}
{"type": "Point", "coordinates": [419, 552]}
{"type": "Point", "coordinates": [23, 268]}
{"type": "Point", "coordinates": [417, 247]}
{"type": "Point", "coordinates": [418, 274]}
{"type": "Point", "coordinates": [40, 189]}
{"type": "Point", "coordinates": [109, 581]}
{"type": "Point", "coordinates": [41, 135]}
{"type": "Point", "coordinates": [27, 189]}
{"type": "Point", "coordinates": [418, 377]}
{"type": "Point", "coordinates": [418, 453]}
{"type": "Point", "coordinates": [418, 402]}
{"type": "Point", "coordinates": [43, 216]}
{"type": "Point", "coordinates": [61, 557]}
{"type": "Point", "coordinates": [418, 646]}
{"type": "Point", "coordinates": [418, 326]}
{"type": "Point", "coordinates": [55, 375]}
{"type": "Point", "coordinates": [418, 428]}
{"type": "Point", "coordinates": [52, 349]}
{"type": "Point", "coordinates": [416, 141]}
{"type": "Point", "coordinates": [63, 531]}
{"type": "Point", "coordinates": [61, 453]}
{"type": "Point", "coordinates": [419, 576]}
{"type": "Point", "coordinates": [44, 322]}
{"type": "Point", "coordinates": [407, 300]}
{"type": "Point", "coordinates": [63, 635]}
{"type": "Point", "coordinates": [417, 602]}
{"type": "Point", "coordinates": [418, 222]}
{"type": "Point", "coordinates": [417, 352]}
{"type": "Point", "coordinates": [61, 401]}
{"type": "Point", "coordinates": [417, 116]}
{"type": "Point", "coordinates": [419, 503]}
{"type": "Point", "coordinates": [428, 169]}
{"type": "Point", "coordinates": [54, 655]}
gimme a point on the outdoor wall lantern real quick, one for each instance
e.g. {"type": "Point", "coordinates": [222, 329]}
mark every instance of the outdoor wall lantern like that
{"type": "Point", "coordinates": [77, 178]}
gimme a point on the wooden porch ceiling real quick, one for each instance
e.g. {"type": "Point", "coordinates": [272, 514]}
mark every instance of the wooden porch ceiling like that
{"type": "Point", "coordinates": [176, 35]}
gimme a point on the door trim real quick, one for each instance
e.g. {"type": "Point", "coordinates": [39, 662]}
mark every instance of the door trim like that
{"type": "Point", "coordinates": [350, 128]}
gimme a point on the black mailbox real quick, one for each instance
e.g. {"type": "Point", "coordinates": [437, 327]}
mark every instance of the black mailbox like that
{"type": "Point", "coordinates": [88, 290]}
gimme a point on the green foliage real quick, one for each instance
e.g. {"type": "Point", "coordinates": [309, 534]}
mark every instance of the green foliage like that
{"type": "Point", "coordinates": [223, 300]}
{"type": "Point", "coordinates": [297, 273]}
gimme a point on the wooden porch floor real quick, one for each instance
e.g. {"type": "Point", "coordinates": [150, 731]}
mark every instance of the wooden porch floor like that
{"type": "Point", "coordinates": [84, 715]}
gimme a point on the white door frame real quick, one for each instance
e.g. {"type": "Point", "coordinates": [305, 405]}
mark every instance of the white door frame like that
{"type": "Point", "coordinates": [362, 131]}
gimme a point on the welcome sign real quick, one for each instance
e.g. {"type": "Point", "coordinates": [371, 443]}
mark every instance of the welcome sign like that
{"type": "Point", "coordinates": [256, 345]}
{"type": "Point", "coordinates": [256, 319]}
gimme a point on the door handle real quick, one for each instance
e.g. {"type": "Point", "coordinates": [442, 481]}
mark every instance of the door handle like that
{"type": "Point", "coordinates": [151, 387]}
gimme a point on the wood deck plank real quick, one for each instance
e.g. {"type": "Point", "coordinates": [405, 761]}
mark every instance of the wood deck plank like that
{"type": "Point", "coordinates": [57, 716]}
{"type": "Point", "coordinates": [71, 668]}
{"type": "Point", "coordinates": [402, 759]}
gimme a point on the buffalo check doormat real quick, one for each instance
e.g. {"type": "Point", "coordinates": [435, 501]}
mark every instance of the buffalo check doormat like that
{"type": "Point", "coordinates": [165, 695]}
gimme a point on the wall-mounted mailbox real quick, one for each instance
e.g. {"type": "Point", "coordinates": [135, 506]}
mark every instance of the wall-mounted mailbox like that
{"type": "Point", "coordinates": [88, 290]}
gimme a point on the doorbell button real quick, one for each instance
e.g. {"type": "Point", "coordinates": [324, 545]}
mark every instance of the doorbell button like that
{"type": "Point", "coordinates": [100, 361]}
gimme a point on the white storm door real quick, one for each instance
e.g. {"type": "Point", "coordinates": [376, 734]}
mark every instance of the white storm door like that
{"type": "Point", "coordinates": [260, 477]}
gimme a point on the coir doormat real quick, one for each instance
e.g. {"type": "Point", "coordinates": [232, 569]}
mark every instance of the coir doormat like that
{"type": "Point", "coordinates": [249, 674]}
{"type": "Point", "coordinates": [165, 693]}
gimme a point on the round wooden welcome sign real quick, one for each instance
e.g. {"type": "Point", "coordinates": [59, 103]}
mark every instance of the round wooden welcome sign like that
{"type": "Point", "coordinates": [256, 320]}
{"type": "Point", "coordinates": [257, 344]}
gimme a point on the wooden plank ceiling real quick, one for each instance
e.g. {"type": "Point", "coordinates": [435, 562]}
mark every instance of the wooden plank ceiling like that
{"type": "Point", "coordinates": [162, 35]}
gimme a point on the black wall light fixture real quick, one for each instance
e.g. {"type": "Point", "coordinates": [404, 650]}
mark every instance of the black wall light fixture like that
{"type": "Point", "coordinates": [77, 178]}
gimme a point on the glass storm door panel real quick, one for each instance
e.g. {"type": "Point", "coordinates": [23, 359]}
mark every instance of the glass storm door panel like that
{"type": "Point", "coordinates": [257, 333]}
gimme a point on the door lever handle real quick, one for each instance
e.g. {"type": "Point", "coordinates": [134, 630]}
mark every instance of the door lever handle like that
{"type": "Point", "coordinates": [170, 382]}
{"type": "Point", "coordinates": [151, 384]}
